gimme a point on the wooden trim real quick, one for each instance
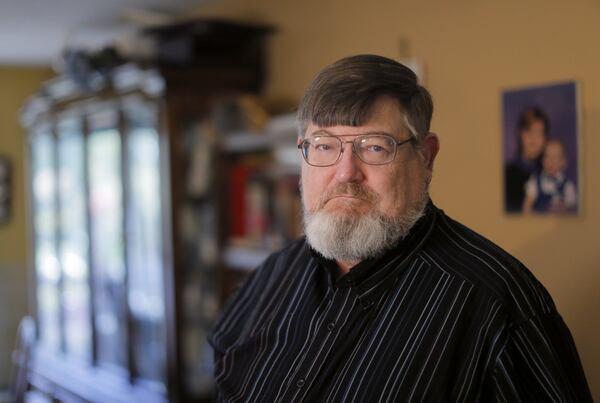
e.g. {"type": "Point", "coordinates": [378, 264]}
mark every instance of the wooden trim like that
{"type": "Point", "coordinates": [93, 270]}
{"type": "Point", "coordinates": [174, 374]}
{"type": "Point", "coordinates": [173, 278]}
{"type": "Point", "coordinates": [123, 128]}
{"type": "Point", "coordinates": [31, 266]}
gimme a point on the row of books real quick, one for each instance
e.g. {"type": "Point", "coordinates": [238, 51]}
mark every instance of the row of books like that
{"type": "Point", "coordinates": [264, 211]}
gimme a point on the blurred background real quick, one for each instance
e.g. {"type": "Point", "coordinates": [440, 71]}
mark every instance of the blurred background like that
{"type": "Point", "coordinates": [148, 163]}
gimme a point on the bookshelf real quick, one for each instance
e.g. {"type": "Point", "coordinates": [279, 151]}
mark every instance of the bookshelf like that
{"type": "Point", "coordinates": [237, 201]}
{"type": "Point", "coordinates": [260, 193]}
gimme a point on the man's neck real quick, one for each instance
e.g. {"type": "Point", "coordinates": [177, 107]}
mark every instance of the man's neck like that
{"type": "Point", "coordinates": [345, 266]}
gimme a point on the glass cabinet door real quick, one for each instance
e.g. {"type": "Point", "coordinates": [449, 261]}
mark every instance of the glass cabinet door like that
{"type": "Point", "coordinates": [47, 267]}
{"type": "Point", "coordinates": [145, 240]}
{"type": "Point", "coordinates": [107, 240]}
{"type": "Point", "coordinates": [73, 241]}
{"type": "Point", "coordinates": [99, 248]}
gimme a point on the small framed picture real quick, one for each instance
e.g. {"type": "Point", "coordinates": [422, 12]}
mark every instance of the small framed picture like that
{"type": "Point", "coordinates": [541, 149]}
{"type": "Point", "coordinates": [5, 189]}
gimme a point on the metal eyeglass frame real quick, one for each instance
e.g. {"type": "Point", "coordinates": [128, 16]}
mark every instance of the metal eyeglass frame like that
{"type": "Point", "coordinates": [302, 147]}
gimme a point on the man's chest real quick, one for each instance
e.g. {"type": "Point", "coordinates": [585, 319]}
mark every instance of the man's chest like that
{"type": "Point", "coordinates": [421, 338]}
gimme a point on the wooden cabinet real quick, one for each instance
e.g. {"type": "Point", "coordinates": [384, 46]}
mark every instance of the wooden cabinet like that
{"type": "Point", "coordinates": [150, 199]}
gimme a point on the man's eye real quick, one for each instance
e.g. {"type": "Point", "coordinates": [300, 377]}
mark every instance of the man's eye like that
{"type": "Point", "coordinates": [375, 149]}
{"type": "Point", "coordinates": [323, 147]}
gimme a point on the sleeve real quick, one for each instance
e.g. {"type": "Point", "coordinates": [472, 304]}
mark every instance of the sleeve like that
{"type": "Point", "coordinates": [539, 363]}
{"type": "Point", "coordinates": [531, 191]}
{"type": "Point", "coordinates": [570, 195]}
{"type": "Point", "coordinates": [228, 328]}
{"type": "Point", "coordinates": [238, 310]}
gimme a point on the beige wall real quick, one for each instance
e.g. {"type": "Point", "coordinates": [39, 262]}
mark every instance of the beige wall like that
{"type": "Point", "coordinates": [472, 50]}
{"type": "Point", "coordinates": [16, 84]}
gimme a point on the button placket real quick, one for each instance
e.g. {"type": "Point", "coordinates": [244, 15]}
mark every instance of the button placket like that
{"type": "Point", "coordinates": [308, 368]}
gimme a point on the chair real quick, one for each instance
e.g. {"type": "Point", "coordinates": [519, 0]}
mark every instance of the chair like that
{"type": "Point", "coordinates": [21, 359]}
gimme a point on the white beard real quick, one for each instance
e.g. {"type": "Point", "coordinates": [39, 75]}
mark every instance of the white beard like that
{"type": "Point", "coordinates": [348, 237]}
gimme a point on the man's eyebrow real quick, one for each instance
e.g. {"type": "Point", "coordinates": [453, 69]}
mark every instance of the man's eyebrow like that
{"type": "Point", "coordinates": [323, 132]}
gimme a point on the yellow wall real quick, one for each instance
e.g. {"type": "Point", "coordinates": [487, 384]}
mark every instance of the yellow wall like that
{"type": "Point", "coordinates": [16, 84]}
{"type": "Point", "coordinates": [472, 50]}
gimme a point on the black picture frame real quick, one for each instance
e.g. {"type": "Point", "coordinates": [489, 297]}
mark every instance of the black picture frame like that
{"type": "Point", "coordinates": [5, 189]}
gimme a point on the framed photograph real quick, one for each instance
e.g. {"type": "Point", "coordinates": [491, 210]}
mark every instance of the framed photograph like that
{"type": "Point", "coordinates": [5, 189]}
{"type": "Point", "coordinates": [541, 149]}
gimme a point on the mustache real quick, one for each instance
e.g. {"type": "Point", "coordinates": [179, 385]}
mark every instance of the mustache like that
{"type": "Point", "coordinates": [350, 188]}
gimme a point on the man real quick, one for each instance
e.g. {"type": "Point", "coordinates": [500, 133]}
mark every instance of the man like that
{"type": "Point", "coordinates": [387, 299]}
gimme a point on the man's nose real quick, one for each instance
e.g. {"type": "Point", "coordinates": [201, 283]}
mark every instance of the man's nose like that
{"type": "Point", "coordinates": [349, 167]}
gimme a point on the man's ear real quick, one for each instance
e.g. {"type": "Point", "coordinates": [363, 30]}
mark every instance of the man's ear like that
{"type": "Point", "coordinates": [430, 147]}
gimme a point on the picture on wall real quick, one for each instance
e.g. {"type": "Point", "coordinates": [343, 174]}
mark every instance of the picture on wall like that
{"type": "Point", "coordinates": [541, 149]}
{"type": "Point", "coordinates": [5, 192]}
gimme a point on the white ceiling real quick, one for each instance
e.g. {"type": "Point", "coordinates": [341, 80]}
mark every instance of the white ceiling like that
{"type": "Point", "coordinates": [34, 32]}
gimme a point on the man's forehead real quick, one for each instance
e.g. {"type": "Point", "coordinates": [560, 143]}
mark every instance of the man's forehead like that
{"type": "Point", "coordinates": [344, 130]}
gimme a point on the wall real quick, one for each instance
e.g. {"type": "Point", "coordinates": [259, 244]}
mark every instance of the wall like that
{"type": "Point", "coordinates": [16, 85]}
{"type": "Point", "coordinates": [472, 50]}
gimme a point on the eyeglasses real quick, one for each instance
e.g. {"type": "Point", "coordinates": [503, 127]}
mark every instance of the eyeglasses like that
{"type": "Point", "coordinates": [373, 149]}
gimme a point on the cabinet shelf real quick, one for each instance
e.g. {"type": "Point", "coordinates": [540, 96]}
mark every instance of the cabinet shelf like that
{"type": "Point", "coordinates": [246, 259]}
{"type": "Point", "coordinates": [279, 133]}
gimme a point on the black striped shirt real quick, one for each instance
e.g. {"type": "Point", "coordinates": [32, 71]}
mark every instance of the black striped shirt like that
{"type": "Point", "coordinates": [444, 316]}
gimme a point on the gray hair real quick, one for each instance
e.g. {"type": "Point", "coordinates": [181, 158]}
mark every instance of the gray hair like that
{"type": "Point", "coordinates": [344, 92]}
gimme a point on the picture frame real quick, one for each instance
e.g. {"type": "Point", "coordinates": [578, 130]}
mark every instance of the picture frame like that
{"type": "Point", "coordinates": [5, 189]}
{"type": "Point", "coordinates": [541, 157]}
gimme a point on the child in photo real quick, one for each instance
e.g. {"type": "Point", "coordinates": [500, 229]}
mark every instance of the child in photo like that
{"type": "Point", "coordinates": [551, 191]}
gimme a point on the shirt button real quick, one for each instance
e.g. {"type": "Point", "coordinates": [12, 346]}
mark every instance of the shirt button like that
{"type": "Point", "coordinates": [300, 383]}
{"type": "Point", "coordinates": [331, 326]}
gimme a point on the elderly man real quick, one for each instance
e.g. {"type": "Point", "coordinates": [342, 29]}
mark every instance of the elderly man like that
{"type": "Point", "coordinates": [387, 299]}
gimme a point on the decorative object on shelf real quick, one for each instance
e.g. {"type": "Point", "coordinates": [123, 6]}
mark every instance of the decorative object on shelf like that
{"type": "Point", "coordinates": [202, 138]}
{"type": "Point", "coordinates": [240, 114]}
{"type": "Point", "coordinates": [408, 59]}
{"type": "Point", "coordinates": [90, 70]}
{"type": "Point", "coordinates": [5, 189]}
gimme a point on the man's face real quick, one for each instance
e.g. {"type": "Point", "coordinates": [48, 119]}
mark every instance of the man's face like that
{"type": "Point", "coordinates": [352, 187]}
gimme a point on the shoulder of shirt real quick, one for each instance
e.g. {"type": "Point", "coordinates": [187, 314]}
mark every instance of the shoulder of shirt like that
{"type": "Point", "coordinates": [290, 251]}
{"type": "Point", "coordinates": [250, 296]}
{"type": "Point", "coordinates": [277, 263]}
{"type": "Point", "coordinates": [489, 269]}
